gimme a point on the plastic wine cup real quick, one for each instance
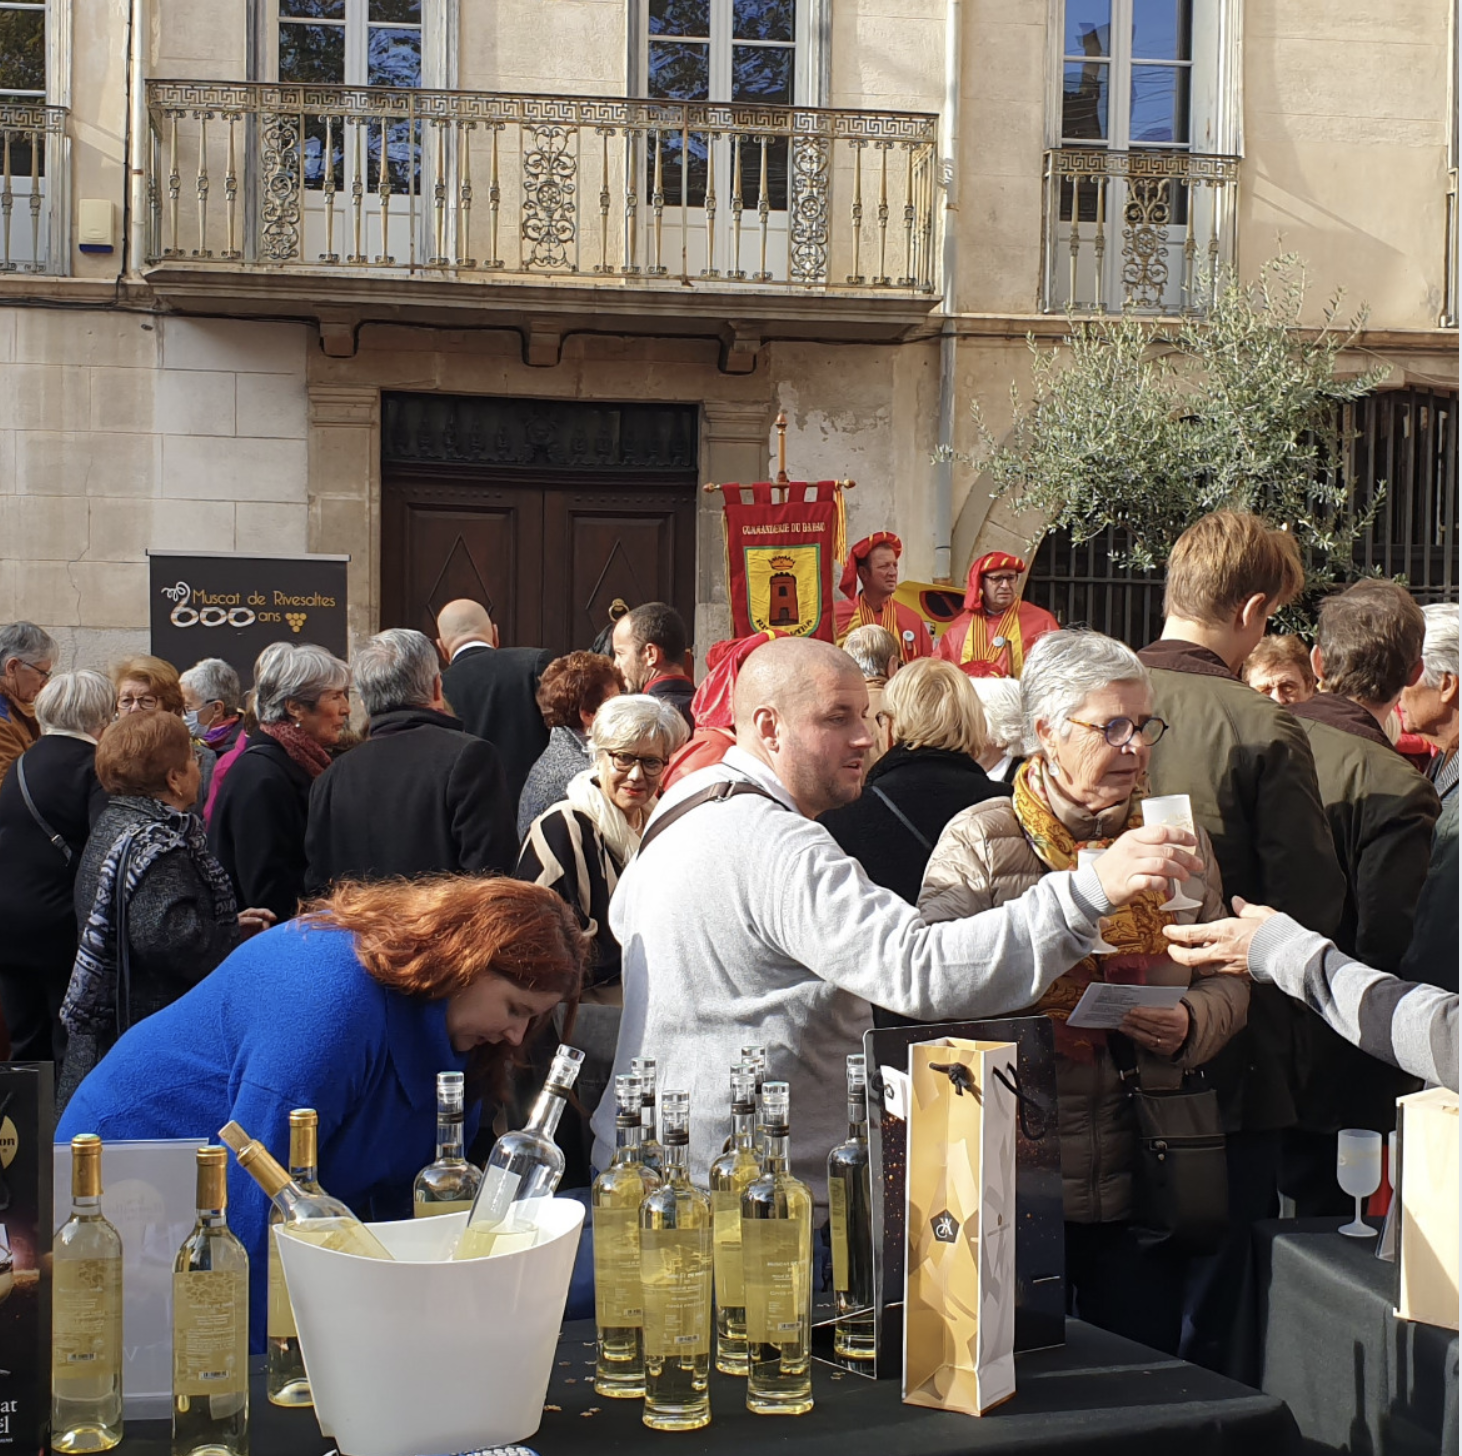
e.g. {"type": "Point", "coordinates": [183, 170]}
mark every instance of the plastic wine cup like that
{"type": "Point", "coordinates": [1358, 1170]}
{"type": "Point", "coordinates": [1172, 811]}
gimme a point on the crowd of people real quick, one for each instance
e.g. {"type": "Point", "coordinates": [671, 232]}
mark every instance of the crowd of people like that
{"type": "Point", "coordinates": [223, 904]}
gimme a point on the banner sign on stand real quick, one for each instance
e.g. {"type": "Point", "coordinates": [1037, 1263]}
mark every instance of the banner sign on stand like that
{"type": "Point", "coordinates": [221, 605]}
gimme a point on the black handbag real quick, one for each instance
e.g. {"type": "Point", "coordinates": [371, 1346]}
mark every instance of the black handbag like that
{"type": "Point", "coordinates": [1180, 1177]}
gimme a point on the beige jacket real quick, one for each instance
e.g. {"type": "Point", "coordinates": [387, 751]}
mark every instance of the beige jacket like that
{"type": "Point", "coordinates": [984, 859]}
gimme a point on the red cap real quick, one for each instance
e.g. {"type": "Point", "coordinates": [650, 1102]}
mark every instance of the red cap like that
{"type": "Point", "coordinates": [991, 561]}
{"type": "Point", "coordinates": [711, 706]}
{"type": "Point", "coordinates": [849, 584]}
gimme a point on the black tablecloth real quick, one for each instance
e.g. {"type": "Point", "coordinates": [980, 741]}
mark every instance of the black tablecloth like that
{"type": "Point", "coordinates": [1356, 1378]}
{"type": "Point", "coordinates": [1098, 1396]}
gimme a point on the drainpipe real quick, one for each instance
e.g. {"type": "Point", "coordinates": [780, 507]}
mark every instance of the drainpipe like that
{"type": "Point", "coordinates": [949, 164]}
{"type": "Point", "coordinates": [137, 141]}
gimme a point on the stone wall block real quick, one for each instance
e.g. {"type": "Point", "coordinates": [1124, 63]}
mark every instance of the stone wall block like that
{"type": "Point", "coordinates": [271, 529]}
{"type": "Point", "coordinates": [45, 592]}
{"type": "Point", "coordinates": [124, 400]}
{"type": "Point", "coordinates": [44, 528]}
{"type": "Point", "coordinates": [114, 592]}
{"type": "Point", "coordinates": [254, 470]}
{"type": "Point", "coordinates": [47, 336]}
{"type": "Point", "coordinates": [78, 462]}
{"type": "Point", "coordinates": [195, 402]}
{"type": "Point", "coordinates": [45, 397]}
{"type": "Point", "coordinates": [234, 344]}
{"type": "Point", "coordinates": [272, 405]}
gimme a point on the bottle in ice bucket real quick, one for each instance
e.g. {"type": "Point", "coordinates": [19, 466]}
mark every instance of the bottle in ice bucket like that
{"type": "Point", "coordinates": [524, 1165]}
{"type": "Point", "coordinates": [651, 1152]}
{"type": "Point", "coordinates": [776, 1253]}
{"type": "Point", "coordinates": [618, 1301]}
{"type": "Point", "coordinates": [86, 1308]}
{"type": "Point", "coordinates": [450, 1184]}
{"type": "Point", "coordinates": [211, 1325]}
{"type": "Point", "coordinates": [286, 1383]}
{"type": "Point", "coordinates": [850, 1205]}
{"type": "Point", "coordinates": [675, 1262]}
{"type": "Point", "coordinates": [731, 1174]}
{"type": "Point", "coordinates": [311, 1215]}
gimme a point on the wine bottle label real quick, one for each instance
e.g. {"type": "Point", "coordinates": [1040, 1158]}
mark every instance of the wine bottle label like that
{"type": "Point", "coordinates": [778, 1278]}
{"type": "Point", "coordinates": [210, 1332]}
{"type": "Point", "coordinates": [281, 1311]}
{"type": "Point", "coordinates": [618, 1298]}
{"type": "Point", "coordinates": [676, 1268]}
{"type": "Point", "coordinates": [726, 1213]}
{"type": "Point", "coordinates": [87, 1303]}
{"type": "Point", "coordinates": [421, 1209]}
{"type": "Point", "coordinates": [837, 1202]}
{"type": "Point", "coordinates": [499, 1188]}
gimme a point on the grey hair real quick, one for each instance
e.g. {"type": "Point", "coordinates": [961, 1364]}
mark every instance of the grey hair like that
{"type": "Point", "coordinates": [1439, 654]}
{"type": "Point", "coordinates": [870, 647]}
{"type": "Point", "coordinates": [26, 641]}
{"type": "Point", "coordinates": [301, 673]}
{"type": "Point", "coordinates": [214, 681]}
{"type": "Point", "coordinates": [1063, 667]}
{"type": "Point", "coordinates": [630, 718]}
{"type": "Point", "coordinates": [76, 702]}
{"type": "Point", "coordinates": [397, 668]}
{"type": "Point", "coordinates": [1000, 697]}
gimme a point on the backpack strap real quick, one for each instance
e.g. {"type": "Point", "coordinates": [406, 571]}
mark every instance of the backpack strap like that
{"type": "Point", "coordinates": [715, 794]}
{"type": "Point", "coordinates": [36, 814]}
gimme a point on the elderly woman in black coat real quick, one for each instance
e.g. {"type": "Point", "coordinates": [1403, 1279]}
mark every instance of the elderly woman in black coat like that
{"type": "Point", "coordinates": [257, 825]}
{"type": "Point", "coordinates": [155, 910]}
{"type": "Point", "coordinates": [48, 802]}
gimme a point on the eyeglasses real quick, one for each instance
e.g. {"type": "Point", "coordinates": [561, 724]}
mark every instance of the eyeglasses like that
{"type": "Point", "coordinates": [136, 705]}
{"type": "Point", "coordinates": [1119, 732]}
{"type": "Point", "coordinates": [43, 672]}
{"type": "Point", "coordinates": [625, 763]}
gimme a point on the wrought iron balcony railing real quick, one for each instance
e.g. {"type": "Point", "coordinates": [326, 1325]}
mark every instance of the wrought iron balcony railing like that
{"type": "Point", "coordinates": [1140, 229]}
{"type": "Point", "coordinates": [489, 188]}
{"type": "Point", "coordinates": [31, 140]}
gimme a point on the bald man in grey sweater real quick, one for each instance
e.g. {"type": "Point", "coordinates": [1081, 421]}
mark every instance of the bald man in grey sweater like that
{"type": "Point", "coordinates": [744, 922]}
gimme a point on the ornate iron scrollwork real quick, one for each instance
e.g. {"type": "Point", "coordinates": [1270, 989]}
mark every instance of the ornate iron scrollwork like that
{"type": "Point", "coordinates": [1145, 241]}
{"type": "Point", "coordinates": [550, 172]}
{"type": "Point", "coordinates": [280, 240]}
{"type": "Point", "coordinates": [809, 223]}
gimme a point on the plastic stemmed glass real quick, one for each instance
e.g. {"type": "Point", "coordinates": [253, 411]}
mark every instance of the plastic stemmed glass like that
{"type": "Point", "coordinates": [1358, 1170]}
{"type": "Point", "coordinates": [1172, 811]}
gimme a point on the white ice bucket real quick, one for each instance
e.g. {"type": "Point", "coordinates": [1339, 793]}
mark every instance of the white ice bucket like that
{"type": "Point", "coordinates": [424, 1356]}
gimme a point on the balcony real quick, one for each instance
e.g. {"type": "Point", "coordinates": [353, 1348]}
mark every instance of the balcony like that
{"type": "Point", "coordinates": [376, 200]}
{"type": "Point", "coordinates": [32, 151]}
{"type": "Point", "coordinates": [1142, 230]}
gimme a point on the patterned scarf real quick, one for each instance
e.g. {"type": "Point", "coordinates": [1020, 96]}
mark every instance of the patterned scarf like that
{"type": "Point", "coordinates": [980, 646]}
{"type": "Point", "coordinates": [94, 1001]}
{"type": "Point", "coordinates": [307, 752]}
{"type": "Point", "coordinates": [1135, 928]}
{"type": "Point", "coordinates": [888, 619]}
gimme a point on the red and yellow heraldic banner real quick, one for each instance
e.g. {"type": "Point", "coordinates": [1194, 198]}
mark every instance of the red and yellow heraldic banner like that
{"type": "Point", "coordinates": [781, 556]}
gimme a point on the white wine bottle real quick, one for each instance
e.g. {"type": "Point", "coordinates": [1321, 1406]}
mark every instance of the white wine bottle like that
{"type": "Point", "coordinates": [675, 1260]}
{"type": "Point", "coordinates": [776, 1252]}
{"type": "Point", "coordinates": [211, 1325]}
{"type": "Point", "coordinates": [731, 1174]}
{"type": "Point", "coordinates": [524, 1166]}
{"type": "Point", "coordinates": [311, 1215]}
{"type": "Point", "coordinates": [616, 1197]}
{"type": "Point", "coordinates": [850, 1204]}
{"type": "Point", "coordinates": [652, 1155]}
{"type": "Point", "coordinates": [86, 1313]}
{"type": "Point", "coordinates": [754, 1055]}
{"type": "Point", "coordinates": [449, 1184]}
{"type": "Point", "coordinates": [286, 1382]}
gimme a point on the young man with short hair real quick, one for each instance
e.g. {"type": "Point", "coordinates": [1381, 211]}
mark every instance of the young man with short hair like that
{"type": "Point", "coordinates": [649, 650]}
{"type": "Point", "coordinates": [1381, 810]}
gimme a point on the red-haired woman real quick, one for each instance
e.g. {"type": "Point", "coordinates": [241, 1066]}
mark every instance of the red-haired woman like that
{"type": "Point", "coordinates": [351, 1010]}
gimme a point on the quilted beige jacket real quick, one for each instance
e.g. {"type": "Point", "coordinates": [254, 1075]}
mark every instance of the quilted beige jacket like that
{"type": "Point", "coordinates": [984, 859]}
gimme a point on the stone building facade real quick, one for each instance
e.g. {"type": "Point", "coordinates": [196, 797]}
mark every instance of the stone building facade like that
{"type": "Point", "coordinates": [203, 345]}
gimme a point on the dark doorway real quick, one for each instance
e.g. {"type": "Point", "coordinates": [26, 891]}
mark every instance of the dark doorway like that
{"type": "Point", "coordinates": [545, 511]}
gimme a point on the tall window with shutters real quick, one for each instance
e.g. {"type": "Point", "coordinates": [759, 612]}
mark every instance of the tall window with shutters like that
{"type": "Point", "coordinates": [23, 134]}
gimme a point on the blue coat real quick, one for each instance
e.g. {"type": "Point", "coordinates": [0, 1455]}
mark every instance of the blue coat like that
{"type": "Point", "coordinates": [290, 1019]}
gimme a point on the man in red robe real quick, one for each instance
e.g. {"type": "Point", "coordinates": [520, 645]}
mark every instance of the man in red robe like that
{"type": "Point", "coordinates": [991, 637]}
{"type": "Point", "coordinates": [873, 565]}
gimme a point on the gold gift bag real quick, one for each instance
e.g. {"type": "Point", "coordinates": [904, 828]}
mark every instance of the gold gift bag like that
{"type": "Point", "coordinates": [1427, 1265]}
{"type": "Point", "coordinates": [959, 1280]}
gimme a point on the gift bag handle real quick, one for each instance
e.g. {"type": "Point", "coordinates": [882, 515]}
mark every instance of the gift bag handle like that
{"type": "Point", "coordinates": [1032, 1116]}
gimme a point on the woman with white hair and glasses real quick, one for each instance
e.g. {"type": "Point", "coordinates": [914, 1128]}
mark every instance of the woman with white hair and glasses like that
{"type": "Point", "coordinates": [257, 829]}
{"type": "Point", "coordinates": [1090, 727]}
{"type": "Point", "coordinates": [48, 803]}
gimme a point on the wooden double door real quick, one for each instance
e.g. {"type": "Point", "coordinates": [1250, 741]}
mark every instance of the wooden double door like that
{"type": "Point", "coordinates": [546, 552]}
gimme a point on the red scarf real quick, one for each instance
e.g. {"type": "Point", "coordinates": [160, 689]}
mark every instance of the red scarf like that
{"type": "Point", "coordinates": [306, 751]}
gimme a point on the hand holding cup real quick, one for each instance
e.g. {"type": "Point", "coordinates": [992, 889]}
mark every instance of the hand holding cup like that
{"type": "Point", "coordinates": [1147, 859]}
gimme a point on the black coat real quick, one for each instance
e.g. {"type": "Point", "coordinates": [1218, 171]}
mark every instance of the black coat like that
{"type": "Point", "coordinates": [677, 691]}
{"type": "Point", "coordinates": [493, 690]}
{"type": "Point", "coordinates": [929, 786]}
{"type": "Point", "coordinates": [258, 827]}
{"type": "Point", "coordinates": [421, 795]}
{"type": "Point", "coordinates": [36, 883]}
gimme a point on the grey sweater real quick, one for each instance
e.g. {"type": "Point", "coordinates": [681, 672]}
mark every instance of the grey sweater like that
{"type": "Point", "coordinates": [1409, 1025]}
{"type": "Point", "coordinates": [744, 922]}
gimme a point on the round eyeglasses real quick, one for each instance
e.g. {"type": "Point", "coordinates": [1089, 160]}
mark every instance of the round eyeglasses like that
{"type": "Point", "coordinates": [625, 763]}
{"type": "Point", "coordinates": [1119, 732]}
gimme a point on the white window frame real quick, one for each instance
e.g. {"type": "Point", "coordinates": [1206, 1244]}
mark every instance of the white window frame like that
{"type": "Point", "coordinates": [438, 40]}
{"type": "Point", "coordinates": [57, 204]}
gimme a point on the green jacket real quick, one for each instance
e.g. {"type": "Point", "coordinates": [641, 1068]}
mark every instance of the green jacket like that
{"type": "Point", "coordinates": [1381, 812]}
{"type": "Point", "coordinates": [1247, 767]}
